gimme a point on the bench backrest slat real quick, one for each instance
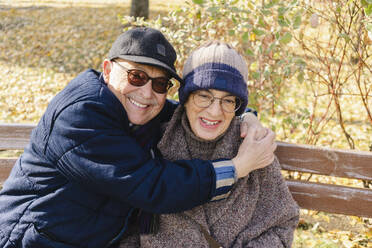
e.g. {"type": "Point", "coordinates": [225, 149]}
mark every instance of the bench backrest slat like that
{"type": "Point", "coordinates": [323, 161]}
{"type": "Point", "coordinates": [293, 157]}
{"type": "Point", "coordinates": [14, 136]}
{"type": "Point", "coordinates": [332, 198]}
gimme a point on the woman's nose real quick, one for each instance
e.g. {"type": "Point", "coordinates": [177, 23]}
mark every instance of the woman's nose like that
{"type": "Point", "coordinates": [215, 108]}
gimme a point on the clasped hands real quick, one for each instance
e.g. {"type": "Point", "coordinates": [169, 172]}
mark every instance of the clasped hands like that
{"type": "Point", "coordinates": [257, 149]}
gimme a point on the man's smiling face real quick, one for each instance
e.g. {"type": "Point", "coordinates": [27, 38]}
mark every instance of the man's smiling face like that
{"type": "Point", "coordinates": [142, 104]}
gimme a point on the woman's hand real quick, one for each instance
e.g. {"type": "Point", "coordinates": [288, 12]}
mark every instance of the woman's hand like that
{"type": "Point", "coordinates": [254, 154]}
{"type": "Point", "coordinates": [250, 121]}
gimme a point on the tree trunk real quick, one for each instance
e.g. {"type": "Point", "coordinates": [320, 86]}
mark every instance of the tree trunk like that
{"type": "Point", "coordinates": [140, 8]}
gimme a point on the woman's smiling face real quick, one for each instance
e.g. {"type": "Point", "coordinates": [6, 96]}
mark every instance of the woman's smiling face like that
{"type": "Point", "coordinates": [210, 122]}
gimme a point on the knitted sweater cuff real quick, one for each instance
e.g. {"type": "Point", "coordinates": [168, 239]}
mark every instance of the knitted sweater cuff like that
{"type": "Point", "coordinates": [225, 178]}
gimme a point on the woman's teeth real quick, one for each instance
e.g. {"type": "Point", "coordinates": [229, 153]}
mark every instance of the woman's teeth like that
{"type": "Point", "coordinates": [209, 122]}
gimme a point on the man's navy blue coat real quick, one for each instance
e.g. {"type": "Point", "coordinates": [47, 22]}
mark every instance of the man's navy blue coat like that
{"type": "Point", "coordinates": [82, 174]}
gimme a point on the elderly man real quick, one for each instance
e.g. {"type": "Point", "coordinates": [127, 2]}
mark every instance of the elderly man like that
{"type": "Point", "coordinates": [92, 160]}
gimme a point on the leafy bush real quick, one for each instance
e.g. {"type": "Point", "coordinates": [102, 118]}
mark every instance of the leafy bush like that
{"type": "Point", "coordinates": [338, 46]}
{"type": "Point", "coordinates": [259, 30]}
{"type": "Point", "coordinates": [292, 68]}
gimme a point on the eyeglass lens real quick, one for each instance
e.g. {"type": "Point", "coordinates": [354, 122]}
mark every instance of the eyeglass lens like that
{"type": "Point", "coordinates": [139, 78]}
{"type": "Point", "coordinates": [204, 99]}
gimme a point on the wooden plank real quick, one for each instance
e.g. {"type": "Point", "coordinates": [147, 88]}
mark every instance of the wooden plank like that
{"type": "Point", "coordinates": [14, 136]}
{"type": "Point", "coordinates": [332, 198]}
{"type": "Point", "coordinates": [315, 196]}
{"type": "Point", "coordinates": [330, 162]}
{"type": "Point", "coordinates": [303, 158]}
{"type": "Point", "coordinates": [6, 165]}
{"type": "Point", "coordinates": [293, 157]}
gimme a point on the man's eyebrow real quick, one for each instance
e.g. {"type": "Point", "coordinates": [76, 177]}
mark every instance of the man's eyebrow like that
{"type": "Point", "coordinates": [139, 67]}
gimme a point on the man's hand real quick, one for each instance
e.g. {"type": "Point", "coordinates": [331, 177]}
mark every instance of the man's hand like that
{"type": "Point", "coordinates": [251, 121]}
{"type": "Point", "coordinates": [254, 154]}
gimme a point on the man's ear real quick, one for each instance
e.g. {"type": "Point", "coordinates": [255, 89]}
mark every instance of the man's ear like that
{"type": "Point", "coordinates": [107, 66]}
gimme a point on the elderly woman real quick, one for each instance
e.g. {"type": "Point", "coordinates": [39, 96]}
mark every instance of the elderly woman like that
{"type": "Point", "coordinates": [260, 211]}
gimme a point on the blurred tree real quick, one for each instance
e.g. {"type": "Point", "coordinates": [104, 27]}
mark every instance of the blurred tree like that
{"type": "Point", "coordinates": [140, 8]}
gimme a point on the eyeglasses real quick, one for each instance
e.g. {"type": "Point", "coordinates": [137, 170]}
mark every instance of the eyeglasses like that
{"type": "Point", "coordinates": [139, 78]}
{"type": "Point", "coordinates": [204, 99]}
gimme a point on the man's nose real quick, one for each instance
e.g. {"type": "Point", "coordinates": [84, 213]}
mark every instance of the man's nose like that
{"type": "Point", "coordinates": [147, 89]}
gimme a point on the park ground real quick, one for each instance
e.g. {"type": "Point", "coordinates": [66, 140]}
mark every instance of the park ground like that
{"type": "Point", "coordinates": [44, 44]}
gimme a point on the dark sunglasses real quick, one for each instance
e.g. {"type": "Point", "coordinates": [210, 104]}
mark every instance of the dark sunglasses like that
{"type": "Point", "coordinates": [139, 78]}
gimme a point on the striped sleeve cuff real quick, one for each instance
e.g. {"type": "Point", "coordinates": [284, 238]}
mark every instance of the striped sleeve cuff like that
{"type": "Point", "coordinates": [225, 178]}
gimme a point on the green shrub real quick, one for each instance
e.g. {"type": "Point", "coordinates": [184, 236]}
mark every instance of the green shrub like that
{"type": "Point", "coordinates": [260, 31]}
{"type": "Point", "coordinates": [297, 79]}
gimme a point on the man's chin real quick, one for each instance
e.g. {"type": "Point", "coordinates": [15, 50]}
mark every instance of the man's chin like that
{"type": "Point", "coordinates": [137, 121]}
{"type": "Point", "coordinates": [141, 116]}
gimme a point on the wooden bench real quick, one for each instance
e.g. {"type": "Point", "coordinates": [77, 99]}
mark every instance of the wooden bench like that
{"type": "Point", "coordinates": [305, 159]}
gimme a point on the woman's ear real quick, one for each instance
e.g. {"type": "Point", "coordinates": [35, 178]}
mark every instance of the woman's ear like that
{"type": "Point", "coordinates": [107, 66]}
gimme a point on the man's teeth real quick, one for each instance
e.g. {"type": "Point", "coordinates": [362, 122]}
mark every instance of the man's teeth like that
{"type": "Point", "coordinates": [137, 103]}
{"type": "Point", "coordinates": [209, 122]}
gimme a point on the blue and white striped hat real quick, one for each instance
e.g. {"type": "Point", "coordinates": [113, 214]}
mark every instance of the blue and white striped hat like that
{"type": "Point", "coordinates": [215, 65]}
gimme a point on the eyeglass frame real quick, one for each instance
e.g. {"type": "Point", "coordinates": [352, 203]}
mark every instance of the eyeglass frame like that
{"type": "Point", "coordinates": [169, 83]}
{"type": "Point", "coordinates": [238, 101]}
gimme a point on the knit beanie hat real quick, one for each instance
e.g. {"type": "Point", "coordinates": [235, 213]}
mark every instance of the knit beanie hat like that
{"type": "Point", "coordinates": [215, 65]}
